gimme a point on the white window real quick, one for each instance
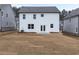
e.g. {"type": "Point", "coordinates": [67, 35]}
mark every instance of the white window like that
{"type": "Point", "coordinates": [30, 26]}
{"type": "Point", "coordinates": [51, 25]}
{"type": "Point", "coordinates": [34, 16]}
{"type": "Point", "coordinates": [42, 15]}
{"type": "Point", "coordinates": [24, 16]}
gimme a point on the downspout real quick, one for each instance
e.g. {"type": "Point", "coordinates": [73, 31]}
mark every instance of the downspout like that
{"type": "Point", "coordinates": [78, 25]}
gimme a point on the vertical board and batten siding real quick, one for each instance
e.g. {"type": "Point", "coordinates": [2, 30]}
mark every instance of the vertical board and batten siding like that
{"type": "Point", "coordinates": [71, 26]}
{"type": "Point", "coordinates": [49, 18]}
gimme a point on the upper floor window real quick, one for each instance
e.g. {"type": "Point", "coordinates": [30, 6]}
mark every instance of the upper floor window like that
{"type": "Point", "coordinates": [0, 9]}
{"type": "Point", "coordinates": [51, 25]}
{"type": "Point", "coordinates": [1, 13]}
{"type": "Point", "coordinates": [24, 16]}
{"type": "Point", "coordinates": [42, 15]}
{"type": "Point", "coordinates": [34, 16]}
{"type": "Point", "coordinates": [6, 15]}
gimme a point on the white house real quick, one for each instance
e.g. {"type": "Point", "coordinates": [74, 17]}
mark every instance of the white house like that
{"type": "Point", "coordinates": [71, 22]}
{"type": "Point", "coordinates": [7, 18]}
{"type": "Point", "coordinates": [38, 19]}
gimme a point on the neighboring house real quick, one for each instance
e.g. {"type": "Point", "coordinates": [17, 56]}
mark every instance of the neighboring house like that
{"type": "Point", "coordinates": [61, 25]}
{"type": "Point", "coordinates": [38, 19]}
{"type": "Point", "coordinates": [71, 22]}
{"type": "Point", "coordinates": [7, 18]}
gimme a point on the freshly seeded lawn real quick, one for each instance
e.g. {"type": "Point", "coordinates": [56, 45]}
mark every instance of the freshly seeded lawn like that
{"type": "Point", "coordinates": [12, 43]}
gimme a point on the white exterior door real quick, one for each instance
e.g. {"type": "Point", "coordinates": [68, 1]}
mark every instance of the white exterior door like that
{"type": "Point", "coordinates": [43, 28]}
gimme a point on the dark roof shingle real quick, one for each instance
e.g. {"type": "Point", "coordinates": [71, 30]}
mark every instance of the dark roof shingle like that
{"type": "Point", "coordinates": [38, 9]}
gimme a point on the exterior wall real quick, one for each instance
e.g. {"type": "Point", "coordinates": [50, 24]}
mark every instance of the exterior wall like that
{"type": "Point", "coordinates": [49, 18]}
{"type": "Point", "coordinates": [17, 23]}
{"type": "Point", "coordinates": [0, 19]}
{"type": "Point", "coordinates": [61, 25]}
{"type": "Point", "coordinates": [72, 26]}
{"type": "Point", "coordinates": [78, 25]}
{"type": "Point", "coordinates": [7, 22]}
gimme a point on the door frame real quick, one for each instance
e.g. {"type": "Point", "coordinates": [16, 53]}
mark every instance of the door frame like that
{"type": "Point", "coordinates": [42, 28]}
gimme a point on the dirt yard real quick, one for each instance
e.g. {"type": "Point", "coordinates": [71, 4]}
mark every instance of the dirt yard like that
{"type": "Point", "coordinates": [34, 44]}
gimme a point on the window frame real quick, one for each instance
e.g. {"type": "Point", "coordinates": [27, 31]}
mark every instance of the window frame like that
{"type": "Point", "coordinates": [0, 9]}
{"type": "Point", "coordinates": [2, 13]}
{"type": "Point", "coordinates": [51, 26]}
{"type": "Point", "coordinates": [34, 16]}
{"type": "Point", "coordinates": [6, 15]}
{"type": "Point", "coordinates": [30, 26]}
{"type": "Point", "coordinates": [24, 16]}
{"type": "Point", "coordinates": [42, 15]}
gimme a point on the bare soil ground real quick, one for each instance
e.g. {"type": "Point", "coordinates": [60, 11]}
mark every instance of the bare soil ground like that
{"type": "Point", "coordinates": [12, 43]}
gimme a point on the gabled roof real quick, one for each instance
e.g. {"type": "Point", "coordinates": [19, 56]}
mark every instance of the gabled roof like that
{"type": "Point", "coordinates": [73, 13]}
{"type": "Point", "coordinates": [38, 10]}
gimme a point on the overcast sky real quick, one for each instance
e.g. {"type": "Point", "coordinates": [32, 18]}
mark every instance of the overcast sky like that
{"type": "Point", "coordinates": [59, 6]}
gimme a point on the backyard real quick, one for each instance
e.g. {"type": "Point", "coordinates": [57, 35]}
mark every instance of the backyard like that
{"type": "Point", "coordinates": [12, 43]}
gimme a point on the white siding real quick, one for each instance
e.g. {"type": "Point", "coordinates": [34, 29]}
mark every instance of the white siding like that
{"type": "Point", "coordinates": [49, 18]}
{"type": "Point", "coordinates": [71, 26]}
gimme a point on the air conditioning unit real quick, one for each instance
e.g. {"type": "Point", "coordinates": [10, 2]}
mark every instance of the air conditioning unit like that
{"type": "Point", "coordinates": [22, 30]}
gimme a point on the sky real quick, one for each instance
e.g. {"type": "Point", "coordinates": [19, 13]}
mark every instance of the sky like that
{"type": "Point", "coordinates": [59, 6]}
